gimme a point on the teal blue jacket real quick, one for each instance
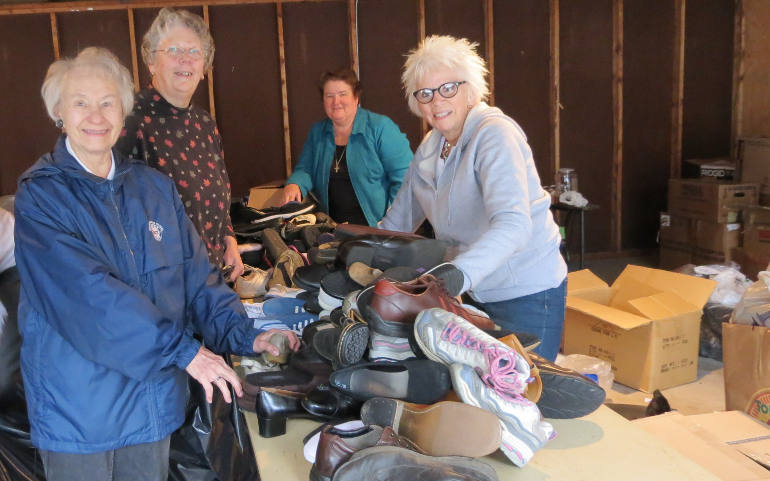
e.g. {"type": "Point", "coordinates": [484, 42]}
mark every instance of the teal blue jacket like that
{"type": "Point", "coordinates": [378, 156]}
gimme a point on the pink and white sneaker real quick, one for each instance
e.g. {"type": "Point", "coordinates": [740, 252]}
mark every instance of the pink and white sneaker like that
{"type": "Point", "coordinates": [524, 430]}
{"type": "Point", "coordinates": [448, 338]}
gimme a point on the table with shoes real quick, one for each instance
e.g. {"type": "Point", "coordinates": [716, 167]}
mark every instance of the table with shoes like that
{"type": "Point", "coordinates": [433, 387]}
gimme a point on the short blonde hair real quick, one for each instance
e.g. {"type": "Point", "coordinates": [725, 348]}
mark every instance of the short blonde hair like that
{"type": "Point", "coordinates": [168, 19]}
{"type": "Point", "coordinates": [444, 51]}
{"type": "Point", "coordinates": [97, 58]}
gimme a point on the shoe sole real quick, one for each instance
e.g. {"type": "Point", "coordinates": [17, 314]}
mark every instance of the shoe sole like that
{"type": "Point", "coordinates": [418, 253]}
{"type": "Point", "coordinates": [352, 344]}
{"type": "Point", "coordinates": [566, 397]}
{"type": "Point", "coordinates": [443, 429]}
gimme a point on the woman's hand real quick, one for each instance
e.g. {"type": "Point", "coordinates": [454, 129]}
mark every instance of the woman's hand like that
{"type": "Point", "coordinates": [233, 258]}
{"type": "Point", "coordinates": [211, 370]}
{"type": "Point", "coordinates": [292, 193]}
{"type": "Point", "coordinates": [261, 343]}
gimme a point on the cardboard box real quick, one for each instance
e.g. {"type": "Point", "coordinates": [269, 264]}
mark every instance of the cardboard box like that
{"type": "Point", "coordinates": [757, 214]}
{"type": "Point", "coordinates": [648, 329]}
{"type": "Point", "coordinates": [756, 239]}
{"type": "Point", "coordinates": [746, 357]}
{"type": "Point", "coordinates": [684, 240]}
{"type": "Point", "coordinates": [710, 200]}
{"type": "Point", "coordinates": [751, 262]}
{"type": "Point", "coordinates": [754, 160]}
{"type": "Point", "coordinates": [714, 241]}
{"type": "Point", "coordinates": [720, 168]}
{"type": "Point", "coordinates": [266, 195]}
{"type": "Point", "coordinates": [715, 441]}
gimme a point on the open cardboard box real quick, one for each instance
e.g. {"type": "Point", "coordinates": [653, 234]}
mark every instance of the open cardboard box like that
{"type": "Point", "coordinates": [729, 444]}
{"type": "Point", "coordinates": [266, 195]}
{"type": "Point", "coordinates": [647, 324]}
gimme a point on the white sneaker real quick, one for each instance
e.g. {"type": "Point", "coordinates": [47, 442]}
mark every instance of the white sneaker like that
{"type": "Point", "coordinates": [524, 431]}
{"type": "Point", "coordinates": [448, 338]}
{"type": "Point", "coordinates": [252, 283]}
{"type": "Point", "coordinates": [388, 348]}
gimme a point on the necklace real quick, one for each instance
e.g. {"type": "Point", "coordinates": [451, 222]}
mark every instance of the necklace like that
{"type": "Point", "coordinates": [338, 160]}
{"type": "Point", "coordinates": [445, 149]}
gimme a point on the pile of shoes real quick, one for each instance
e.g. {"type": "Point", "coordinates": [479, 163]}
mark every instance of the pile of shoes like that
{"type": "Point", "coordinates": [392, 333]}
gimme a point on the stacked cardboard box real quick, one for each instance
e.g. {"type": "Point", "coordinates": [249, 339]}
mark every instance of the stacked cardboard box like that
{"type": "Point", "coordinates": [702, 225]}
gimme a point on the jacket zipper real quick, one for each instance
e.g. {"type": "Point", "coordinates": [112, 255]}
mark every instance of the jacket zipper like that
{"type": "Point", "coordinates": [125, 237]}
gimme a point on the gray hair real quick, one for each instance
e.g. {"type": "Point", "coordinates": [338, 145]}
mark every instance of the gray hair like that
{"type": "Point", "coordinates": [457, 55]}
{"type": "Point", "coordinates": [168, 19]}
{"type": "Point", "coordinates": [91, 57]}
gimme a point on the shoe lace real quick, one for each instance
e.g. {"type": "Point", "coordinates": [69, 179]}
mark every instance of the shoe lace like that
{"type": "Point", "coordinates": [502, 377]}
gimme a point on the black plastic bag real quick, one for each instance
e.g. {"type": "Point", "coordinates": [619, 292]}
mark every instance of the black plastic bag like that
{"type": "Point", "coordinates": [711, 330]}
{"type": "Point", "coordinates": [214, 443]}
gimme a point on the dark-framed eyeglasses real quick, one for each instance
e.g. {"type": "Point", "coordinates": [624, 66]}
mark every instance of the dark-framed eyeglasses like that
{"type": "Point", "coordinates": [447, 90]}
{"type": "Point", "coordinates": [178, 52]}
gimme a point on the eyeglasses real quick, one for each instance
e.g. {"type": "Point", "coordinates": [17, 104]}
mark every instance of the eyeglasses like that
{"type": "Point", "coordinates": [447, 90]}
{"type": "Point", "coordinates": [179, 52]}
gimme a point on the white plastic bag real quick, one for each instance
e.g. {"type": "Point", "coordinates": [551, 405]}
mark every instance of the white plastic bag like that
{"type": "Point", "coordinates": [754, 308]}
{"type": "Point", "coordinates": [594, 368]}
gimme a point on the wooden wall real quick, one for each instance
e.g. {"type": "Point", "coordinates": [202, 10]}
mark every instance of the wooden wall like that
{"type": "Point", "coordinates": [620, 90]}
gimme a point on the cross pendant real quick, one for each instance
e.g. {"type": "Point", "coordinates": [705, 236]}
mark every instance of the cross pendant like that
{"type": "Point", "coordinates": [337, 169]}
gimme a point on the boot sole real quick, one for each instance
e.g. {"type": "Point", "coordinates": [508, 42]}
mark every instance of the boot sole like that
{"type": "Point", "coordinates": [443, 429]}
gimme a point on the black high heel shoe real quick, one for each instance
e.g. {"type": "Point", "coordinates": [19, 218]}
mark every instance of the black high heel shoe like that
{"type": "Point", "coordinates": [328, 403]}
{"type": "Point", "coordinates": [274, 406]}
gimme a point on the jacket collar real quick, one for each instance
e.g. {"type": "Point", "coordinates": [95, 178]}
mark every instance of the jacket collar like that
{"type": "Point", "coordinates": [61, 161]}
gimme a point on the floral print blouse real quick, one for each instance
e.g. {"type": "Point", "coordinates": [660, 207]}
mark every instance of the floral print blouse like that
{"type": "Point", "coordinates": [186, 145]}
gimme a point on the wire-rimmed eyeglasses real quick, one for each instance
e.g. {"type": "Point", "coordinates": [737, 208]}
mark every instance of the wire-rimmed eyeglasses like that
{"type": "Point", "coordinates": [178, 52]}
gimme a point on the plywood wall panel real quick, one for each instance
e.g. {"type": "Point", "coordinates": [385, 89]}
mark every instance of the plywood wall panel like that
{"type": "Point", "coordinates": [522, 80]}
{"type": "Point", "coordinates": [383, 42]}
{"type": "Point", "coordinates": [316, 36]}
{"type": "Point", "coordinates": [585, 41]}
{"type": "Point", "coordinates": [459, 18]}
{"type": "Point", "coordinates": [648, 59]}
{"type": "Point", "coordinates": [246, 90]}
{"type": "Point", "coordinates": [109, 29]}
{"type": "Point", "coordinates": [143, 18]}
{"type": "Point", "coordinates": [708, 59]}
{"type": "Point", "coordinates": [755, 120]}
{"type": "Point", "coordinates": [26, 132]}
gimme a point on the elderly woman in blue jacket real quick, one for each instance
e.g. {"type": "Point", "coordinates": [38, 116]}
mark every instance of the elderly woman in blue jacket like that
{"type": "Point", "coordinates": [355, 160]}
{"type": "Point", "coordinates": [473, 177]}
{"type": "Point", "coordinates": [114, 283]}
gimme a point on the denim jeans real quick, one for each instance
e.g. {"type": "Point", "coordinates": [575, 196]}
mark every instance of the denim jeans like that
{"type": "Point", "coordinates": [541, 314]}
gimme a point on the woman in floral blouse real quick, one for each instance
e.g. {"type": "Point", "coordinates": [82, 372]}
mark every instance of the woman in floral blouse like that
{"type": "Point", "coordinates": [180, 139]}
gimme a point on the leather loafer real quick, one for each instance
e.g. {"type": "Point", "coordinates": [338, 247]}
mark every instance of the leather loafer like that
{"type": "Point", "coordinates": [386, 251]}
{"type": "Point", "coordinates": [336, 446]}
{"type": "Point", "coordinates": [419, 381]}
{"type": "Point", "coordinates": [328, 403]}
{"type": "Point", "coordinates": [390, 462]}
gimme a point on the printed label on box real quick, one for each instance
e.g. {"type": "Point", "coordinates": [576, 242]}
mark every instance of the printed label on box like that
{"type": "Point", "coordinates": [759, 405]}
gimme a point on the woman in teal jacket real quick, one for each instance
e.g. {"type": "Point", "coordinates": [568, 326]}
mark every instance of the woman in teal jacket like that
{"type": "Point", "coordinates": [354, 161]}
